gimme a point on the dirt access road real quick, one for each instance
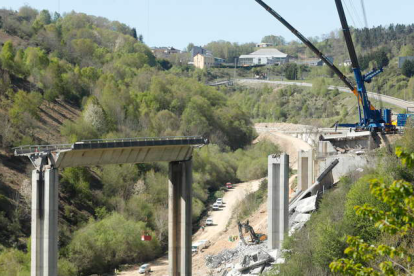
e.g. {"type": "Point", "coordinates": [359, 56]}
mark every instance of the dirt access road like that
{"type": "Point", "coordinates": [286, 143]}
{"type": "Point", "coordinates": [212, 233]}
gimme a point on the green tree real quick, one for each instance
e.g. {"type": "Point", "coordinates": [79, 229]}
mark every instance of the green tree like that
{"type": "Point", "coordinates": [274, 40]}
{"type": "Point", "coordinates": [7, 56]}
{"type": "Point", "coordinates": [190, 46]}
{"type": "Point", "coordinates": [407, 68]}
{"type": "Point", "coordinates": [134, 33]}
{"type": "Point", "coordinates": [407, 50]}
{"type": "Point", "coordinates": [27, 13]}
{"type": "Point", "coordinates": [42, 19]}
{"type": "Point", "coordinates": [25, 103]}
{"type": "Point", "coordinates": [291, 71]}
{"type": "Point", "coordinates": [384, 259]}
{"type": "Point", "coordinates": [19, 68]}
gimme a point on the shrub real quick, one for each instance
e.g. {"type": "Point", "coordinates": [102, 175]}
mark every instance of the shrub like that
{"type": "Point", "coordinates": [14, 262]}
{"type": "Point", "coordinates": [66, 268]}
{"type": "Point", "coordinates": [359, 195]}
{"type": "Point", "coordinates": [103, 245]}
{"type": "Point", "coordinates": [252, 163]}
{"type": "Point", "coordinates": [25, 103]}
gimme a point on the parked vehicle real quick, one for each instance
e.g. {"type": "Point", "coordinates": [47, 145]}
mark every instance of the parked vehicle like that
{"type": "Point", "coordinates": [216, 207]}
{"type": "Point", "coordinates": [219, 202]}
{"type": "Point", "coordinates": [229, 185]}
{"type": "Point", "coordinates": [203, 244]}
{"type": "Point", "coordinates": [195, 247]}
{"type": "Point", "coordinates": [199, 246]}
{"type": "Point", "coordinates": [144, 269]}
{"type": "Point", "coordinates": [209, 221]}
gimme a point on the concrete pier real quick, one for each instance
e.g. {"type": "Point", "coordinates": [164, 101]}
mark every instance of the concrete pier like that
{"type": "Point", "coordinates": [179, 220]}
{"type": "Point", "coordinates": [44, 245]}
{"type": "Point", "coordinates": [305, 169]}
{"type": "Point", "coordinates": [278, 199]}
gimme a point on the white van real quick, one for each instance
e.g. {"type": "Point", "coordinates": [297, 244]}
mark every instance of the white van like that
{"type": "Point", "coordinates": [195, 247]}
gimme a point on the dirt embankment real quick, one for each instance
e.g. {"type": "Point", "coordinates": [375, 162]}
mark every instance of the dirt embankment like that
{"type": "Point", "coordinates": [287, 143]}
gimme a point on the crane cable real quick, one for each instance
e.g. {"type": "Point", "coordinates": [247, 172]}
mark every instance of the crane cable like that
{"type": "Point", "coordinates": [350, 15]}
{"type": "Point", "coordinates": [357, 15]}
{"type": "Point", "coordinates": [355, 91]}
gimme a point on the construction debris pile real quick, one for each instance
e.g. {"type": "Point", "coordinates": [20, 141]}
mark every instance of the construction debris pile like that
{"type": "Point", "coordinates": [243, 260]}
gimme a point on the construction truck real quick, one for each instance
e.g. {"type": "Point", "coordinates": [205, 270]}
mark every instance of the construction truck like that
{"type": "Point", "coordinates": [255, 238]}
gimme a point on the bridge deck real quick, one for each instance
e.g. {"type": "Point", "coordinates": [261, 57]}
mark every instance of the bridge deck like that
{"type": "Point", "coordinates": [117, 151]}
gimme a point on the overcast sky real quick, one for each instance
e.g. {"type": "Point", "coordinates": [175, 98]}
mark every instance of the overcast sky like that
{"type": "Point", "coordinates": [179, 22]}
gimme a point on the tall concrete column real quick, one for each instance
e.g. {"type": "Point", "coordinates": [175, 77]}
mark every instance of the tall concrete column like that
{"type": "Point", "coordinates": [305, 169]}
{"type": "Point", "coordinates": [179, 218]}
{"type": "Point", "coordinates": [44, 236]}
{"type": "Point", "coordinates": [278, 199]}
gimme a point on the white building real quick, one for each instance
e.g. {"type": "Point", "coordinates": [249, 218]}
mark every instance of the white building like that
{"type": "Point", "coordinates": [263, 45]}
{"type": "Point", "coordinates": [264, 57]}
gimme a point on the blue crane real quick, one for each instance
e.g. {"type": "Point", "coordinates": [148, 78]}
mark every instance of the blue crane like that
{"type": "Point", "coordinates": [369, 118]}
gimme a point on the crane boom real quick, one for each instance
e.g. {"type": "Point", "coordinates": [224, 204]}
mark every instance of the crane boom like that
{"type": "Point", "coordinates": [366, 104]}
{"type": "Point", "coordinates": [306, 41]}
{"type": "Point", "coordinates": [371, 119]}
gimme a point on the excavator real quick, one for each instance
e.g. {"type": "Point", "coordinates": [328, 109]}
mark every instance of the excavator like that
{"type": "Point", "coordinates": [254, 237]}
{"type": "Point", "coordinates": [370, 118]}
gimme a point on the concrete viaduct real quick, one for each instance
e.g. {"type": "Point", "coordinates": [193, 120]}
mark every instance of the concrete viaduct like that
{"type": "Point", "coordinates": [178, 152]}
{"type": "Point", "coordinates": [45, 190]}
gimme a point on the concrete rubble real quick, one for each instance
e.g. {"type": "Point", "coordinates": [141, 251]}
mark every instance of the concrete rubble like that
{"type": "Point", "coordinates": [256, 259]}
{"type": "Point", "coordinates": [243, 260]}
{"type": "Point", "coordinates": [306, 205]}
{"type": "Point", "coordinates": [301, 213]}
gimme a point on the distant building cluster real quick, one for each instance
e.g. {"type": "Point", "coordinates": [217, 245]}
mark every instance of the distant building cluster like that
{"type": "Point", "coordinates": [203, 58]}
{"type": "Point", "coordinates": [266, 54]}
{"type": "Point", "coordinates": [313, 61]}
{"type": "Point", "coordinates": [264, 45]}
{"type": "Point", "coordinates": [164, 52]}
{"type": "Point", "coordinates": [264, 57]}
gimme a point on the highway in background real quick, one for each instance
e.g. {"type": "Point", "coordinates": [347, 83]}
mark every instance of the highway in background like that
{"type": "Point", "coordinates": [372, 95]}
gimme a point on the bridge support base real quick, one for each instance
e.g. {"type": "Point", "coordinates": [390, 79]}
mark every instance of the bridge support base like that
{"type": "Point", "coordinates": [278, 199]}
{"type": "Point", "coordinates": [179, 218]}
{"type": "Point", "coordinates": [44, 244]}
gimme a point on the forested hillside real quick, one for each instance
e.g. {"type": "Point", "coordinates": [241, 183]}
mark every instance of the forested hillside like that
{"type": "Point", "coordinates": [73, 77]}
{"type": "Point", "coordinates": [66, 78]}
